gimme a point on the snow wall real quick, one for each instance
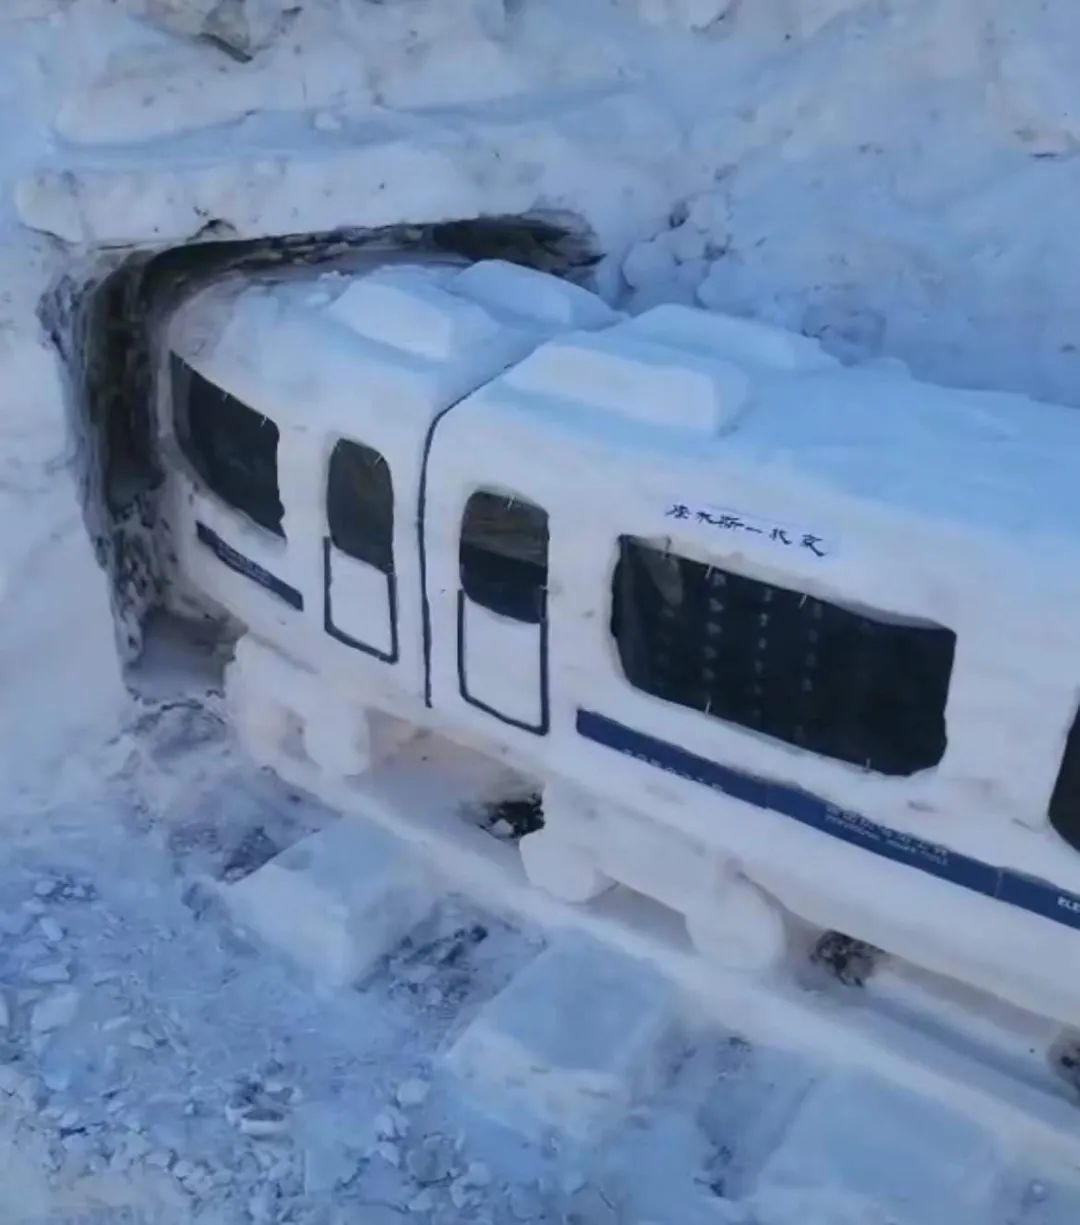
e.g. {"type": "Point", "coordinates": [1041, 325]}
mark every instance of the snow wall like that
{"type": "Point", "coordinates": [891, 178]}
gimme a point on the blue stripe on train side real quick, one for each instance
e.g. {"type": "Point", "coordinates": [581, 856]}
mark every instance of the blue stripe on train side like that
{"type": "Point", "coordinates": [1013, 888]}
{"type": "Point", "coordinates": [226, 554]}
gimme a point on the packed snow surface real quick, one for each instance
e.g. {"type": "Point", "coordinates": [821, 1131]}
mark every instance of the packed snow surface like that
{"type": "Point", "coordinates": [161, 1063]}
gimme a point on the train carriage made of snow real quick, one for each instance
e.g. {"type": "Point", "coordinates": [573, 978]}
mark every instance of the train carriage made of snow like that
{"type": "Point", "coordinates": [784, 645]}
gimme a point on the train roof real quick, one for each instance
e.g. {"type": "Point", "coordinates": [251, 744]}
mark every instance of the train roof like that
{"type": "Point", "coordinates": [707, 390]}
{"type": "Point", "coordinates": [413, 336]}
{"type": "Point", "coordinates": [697, 391]}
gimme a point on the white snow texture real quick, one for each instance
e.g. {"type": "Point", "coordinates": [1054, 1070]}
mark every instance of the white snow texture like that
{"type": "Point", "coordinates": [892, 179]}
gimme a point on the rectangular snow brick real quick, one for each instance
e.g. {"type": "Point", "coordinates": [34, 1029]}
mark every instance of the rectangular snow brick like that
{"type": "Point", "coordinates": [336, 901]}
{"type": "Point", "coordinates": [404, 308]}
{"type": "Point", "coordinates": [575, 1039]}
{"type": "Point", "coordinates": [915, 1159]}
{"type": "Point", "coordinates": [637, 379]}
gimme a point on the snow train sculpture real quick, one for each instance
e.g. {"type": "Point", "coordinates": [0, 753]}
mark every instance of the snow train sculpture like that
{"type": "Point", "coordinates": [786, 644]}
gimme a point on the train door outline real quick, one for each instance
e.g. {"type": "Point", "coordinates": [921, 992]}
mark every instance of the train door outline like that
{"type": "Point", "coordinates": [542, 725]}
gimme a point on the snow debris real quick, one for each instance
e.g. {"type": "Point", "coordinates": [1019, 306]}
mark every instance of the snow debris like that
{"type": "Point", "coordinates": [11, 1080]}
{"type": "Point", "coordinates": [412, 1092]}
{"type": "Point", "coordinates": [459, 1194]}
{"type": "Point", "coordinates": [55, 1010]}
{"type": "Point", "coordinates": [57, 1079]}
{"type": "Point", "coordinates": [423, 1201]}
{"type": "Point", "coordinates": [50, 972]}
{"type": "Point", "coordinates": [390, 1153]}
{"type": "Point", "coordinates": [141, 1040]}
{"type": "Point", "coordinates": [527, 1203]}
{"type": "Point", "coordinates": [435, 1160]}
{"type": "Point", "coordinates": [476, 1174]}
{"type": "Point", "coordinates": [389, 1124]}
{"type": "Point", "coordinates": [327, 121]}
{"type": "Point", "coordinates": [12, 925]}
{"type": "Point", "coordinates": [262, 1122]}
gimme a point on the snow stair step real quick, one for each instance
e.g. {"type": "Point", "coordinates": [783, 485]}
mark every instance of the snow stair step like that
{"type": "Point", "coordinates": [907, 1159]}
{"type": "Point", "coordinates": [575, 1040]}
{"type": "Point", "coordinates": [336, 901]}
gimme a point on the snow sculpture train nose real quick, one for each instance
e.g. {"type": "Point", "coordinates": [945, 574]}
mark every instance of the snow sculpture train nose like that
{"type": "Point", "coordinates": [785, 642]}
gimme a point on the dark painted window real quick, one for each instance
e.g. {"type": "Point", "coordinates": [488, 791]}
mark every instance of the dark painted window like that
{"type": "Point", "coordinates": [504, 555]}
{"type": "Point", "coordinates": [360, 505]}
{"type": "Point", "coordinates": [848, 685]}
{"type": "Point", "coordinates": [231, 447]}
{"type": "Point", "coordinates": [1065, 802]}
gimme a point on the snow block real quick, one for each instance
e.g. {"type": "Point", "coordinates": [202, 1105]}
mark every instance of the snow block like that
{"type": "Point", "coordinates": [540, 296]}
{"type": "Point", "coordinates": [637, 379]}
{"type": "Point", "coordinates": [745, 341]}
{"type": "Point", "coordinates": [918, 1161]}
{"type": "Point", "coordinates": [408, 310]}
{"type": "Point", "coordinates": [575, 1040]}
{"type": "Point", "coordinates": [336, 901]}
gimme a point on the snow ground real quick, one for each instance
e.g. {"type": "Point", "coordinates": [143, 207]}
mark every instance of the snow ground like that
{"type": "Point", "coordinates": [159, 1065]}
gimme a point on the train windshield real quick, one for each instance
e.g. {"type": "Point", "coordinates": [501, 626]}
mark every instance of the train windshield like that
{"type": "Point", "coordinates": [783, 663]}
{"type": "Point", "coordinates": [232, 448]}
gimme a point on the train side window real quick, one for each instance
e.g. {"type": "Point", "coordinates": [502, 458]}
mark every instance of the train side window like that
{"type": "Point", "coordinates": [360, 504]}
{"type": "Point", "coordinates": [231, 447]}
{"type": "Point", "coordinates": [504, 555]}
{"type": "Point", "coordinates": [1065, 802]}
{"type": "Point", "coordinates": [848, 685]}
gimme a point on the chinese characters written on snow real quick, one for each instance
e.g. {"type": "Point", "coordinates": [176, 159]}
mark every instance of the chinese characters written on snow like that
{"type": "Point", "coordinates": [764, 531]}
